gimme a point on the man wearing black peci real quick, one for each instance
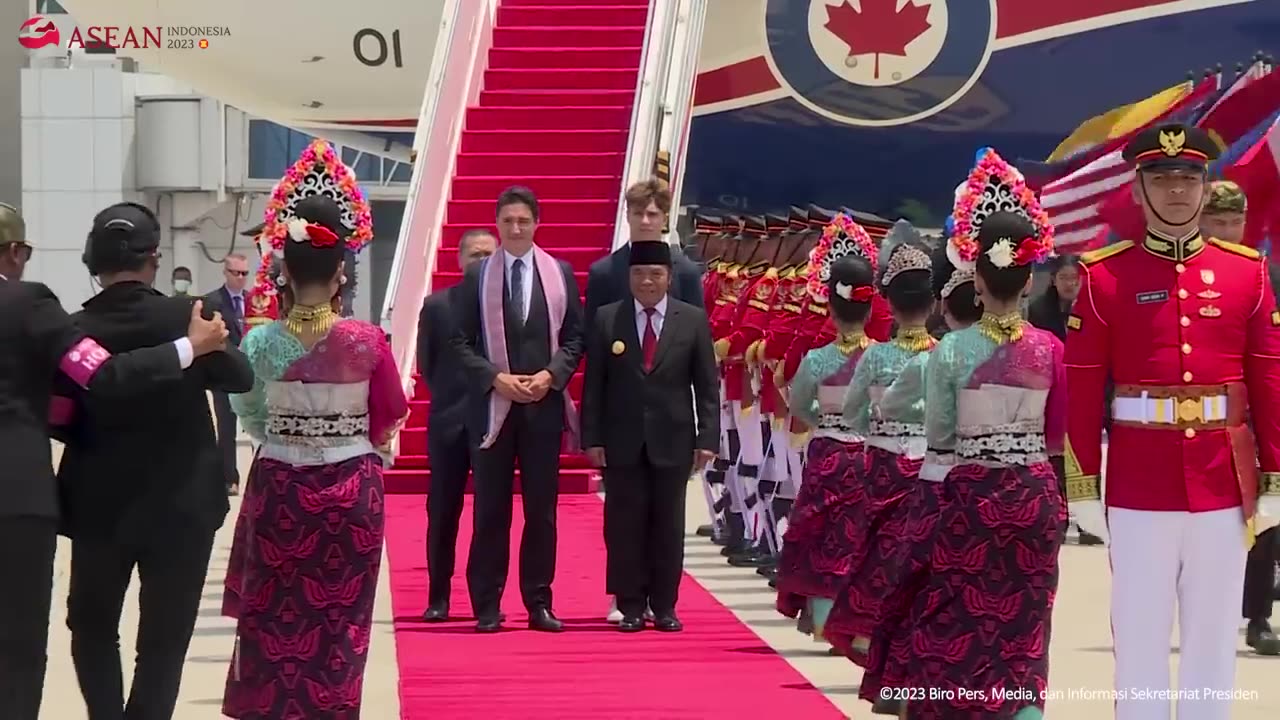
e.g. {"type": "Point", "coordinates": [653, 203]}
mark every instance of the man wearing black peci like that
{"type": "Point", "coordinates": [650, 363]}
{"type": "Point", "coordinates": [519, 340]}
{"type": "Point", "coordinates": [447, 441]}
{"type": "Point", "coordinates": [38, 340]}
{"type": "Point", "coordinates": [141, 482]}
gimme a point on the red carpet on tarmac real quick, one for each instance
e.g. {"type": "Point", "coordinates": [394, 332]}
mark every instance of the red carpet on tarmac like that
{"type": "Point", "coordinates": [716, 668]}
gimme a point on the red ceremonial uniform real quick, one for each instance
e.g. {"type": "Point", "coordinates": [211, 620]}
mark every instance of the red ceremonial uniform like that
{"type": "Point", "coordinates": [1188, 333]}
{"type": "Point", "coordinates": [747, 313]}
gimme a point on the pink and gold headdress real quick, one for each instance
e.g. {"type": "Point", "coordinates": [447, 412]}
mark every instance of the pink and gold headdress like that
{"type": "Point", "coordinates": [840, 237]}
{"type": "Point", "coordinates": [996, 186]}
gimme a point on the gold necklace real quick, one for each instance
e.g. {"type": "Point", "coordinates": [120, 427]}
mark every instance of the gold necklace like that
{"type": "Point", "coordinates": [914, 339]}
{"type": "Point", "coordinates": [1001, 329]}
{"type": "Point", "coordinates": [310, 318]}
{"type": "Point", "coordinates": [848, 342]}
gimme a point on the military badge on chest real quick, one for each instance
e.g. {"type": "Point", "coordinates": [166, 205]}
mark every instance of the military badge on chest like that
{"type": "Point", "coordinates": [1208, 293]}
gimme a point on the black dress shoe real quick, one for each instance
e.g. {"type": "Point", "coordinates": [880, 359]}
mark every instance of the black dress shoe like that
{"type": "Point", "coordinates": [667, 623]}
{"type": "Point", "coordinates": [544, 621]}
{"type": "Point", "coordinates": [1089, 539]}
{"type": "Point", "coordinates": [634, 623]}
{"type": "Point", "coordinates": [773, 583]}
{"type": "Point", "coordinates": [491, 624]}
{"type": "Point", "coordinates": [1260, 637]}
{"type": "Point", "coordinates": [705, 531]}
{"type": "Point", "coordinates": [436, 612]}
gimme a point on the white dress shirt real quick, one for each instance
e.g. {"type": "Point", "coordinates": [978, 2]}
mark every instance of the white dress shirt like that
{"type": "Point", "coordinates": [642, 318]}
{"type": "Point", "coordinates": [526, 275]}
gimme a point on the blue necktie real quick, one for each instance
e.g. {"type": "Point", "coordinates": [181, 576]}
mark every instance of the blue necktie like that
{"type": "Point", "coordinates": [237, 304]}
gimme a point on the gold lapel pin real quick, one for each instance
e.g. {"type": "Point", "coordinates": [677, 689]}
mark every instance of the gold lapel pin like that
{"type": "Point", "coordinates": [619, 347]}
{"type": "Point", "coordinates": [1208, 295]}
{"type": "Point", "coordinates": [1210, 311]}
{"type": "Point", "coordinates": [1207, 276]}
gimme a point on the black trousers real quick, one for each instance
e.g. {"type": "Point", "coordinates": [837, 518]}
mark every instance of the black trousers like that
{"type": "Point", "coordinates": [644, 535]}
{"type": "Point", "coordinates": [171, 571]}
{"type": "Point", "coordinates": [1259, 575]}
{"type": "Point", "coordinates": [226, 422]}
{"type": "Point", "coordinates": [536, 448]}
{"type": "Point", "coordinates": [27, 547]}
{"type": "Point", "coordinates": [450, 463]}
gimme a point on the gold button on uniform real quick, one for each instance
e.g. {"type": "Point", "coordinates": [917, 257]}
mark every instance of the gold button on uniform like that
{"type": "Point", "coordinates": [1186, 376]}
{"type": "Point", "coordinates": [1189, 432]}
{"type": "Point", "coordinates": [1182, 294]}
{"type": "Point", "coordinates": [1186, 348]}
{"type": "Point", "coordinates": [1180, 268]}
{"type": "Point", "coordinates": [1185, 321]}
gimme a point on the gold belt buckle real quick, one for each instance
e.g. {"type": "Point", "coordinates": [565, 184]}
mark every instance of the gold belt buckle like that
{"type": "Point", "coordinates": [1190, 411]}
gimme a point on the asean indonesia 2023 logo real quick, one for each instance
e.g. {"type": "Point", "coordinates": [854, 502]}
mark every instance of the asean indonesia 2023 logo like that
{"type": "Point", "coordinates": [879, 62]}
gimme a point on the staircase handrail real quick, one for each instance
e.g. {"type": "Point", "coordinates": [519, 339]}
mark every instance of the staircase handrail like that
{"type": "Point", "coordinates": [457, 69]}
{"type": "Point", "coordinates": [642, 139]}
{"type": "Point", "coordinates": [677, 100]}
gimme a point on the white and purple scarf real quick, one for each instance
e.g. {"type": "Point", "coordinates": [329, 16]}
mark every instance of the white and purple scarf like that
{"type": "Point", "coordinates": [492, 320]}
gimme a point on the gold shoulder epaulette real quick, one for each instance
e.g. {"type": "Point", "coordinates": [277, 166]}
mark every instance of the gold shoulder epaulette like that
{"type": "Point", "coordinates": [771, 272]}
{"type": "Point", "coordinates": [1096, 256]}
{"type": "Point", "coordinates": [788, 272]}
{"type": "Point", "coordinates": [732, 271]}
{"type": "Point", "coordinates": [1236, 248]}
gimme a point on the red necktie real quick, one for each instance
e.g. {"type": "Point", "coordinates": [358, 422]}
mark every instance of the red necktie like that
{"type": "Point", "coordinates": [649, 345]}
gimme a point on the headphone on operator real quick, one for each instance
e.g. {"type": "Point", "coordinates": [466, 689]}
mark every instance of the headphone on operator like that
{"type": "Point", "coordinates": [122, 234]}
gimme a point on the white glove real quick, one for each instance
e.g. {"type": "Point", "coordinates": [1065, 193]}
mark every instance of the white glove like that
{"type": "Point", "coordinates": [1091, 516]}
{"type": "Point", "coordinates": [1268, 513]}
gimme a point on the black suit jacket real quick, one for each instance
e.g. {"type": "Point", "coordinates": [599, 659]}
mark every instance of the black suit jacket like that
{"type": "Point", "coordinates": [220, 300]}
{"type": "Point", "coordinates": [154, 454]}
{"type": "Point", "coordinates": [440, 365]}
{"type": "Point", "coordinates": [35, 334]}
{"type": "Point", "coordinates": [528, 349]}
{"type": "Point", "coordinates": [625, 409]}
{"type": "Point", "coordinates": [609, 281]}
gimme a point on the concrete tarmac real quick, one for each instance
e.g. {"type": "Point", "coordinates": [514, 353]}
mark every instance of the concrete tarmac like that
{"type": "Point", "coordinates": [1081, 652]}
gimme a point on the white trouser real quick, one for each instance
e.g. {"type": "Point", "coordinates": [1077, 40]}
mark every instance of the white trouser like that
{"type": "Point", "coordinates": [1195, 560]}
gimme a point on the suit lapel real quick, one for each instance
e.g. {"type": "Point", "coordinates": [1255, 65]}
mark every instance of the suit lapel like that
{"type": "Point", "coordinates": [669, 325]}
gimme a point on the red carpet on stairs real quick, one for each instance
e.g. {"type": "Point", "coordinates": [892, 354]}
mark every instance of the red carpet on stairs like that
{"type": "Point", "coordinates": [554, 114]}
{"type": "Point", "coordinates": [716, 668]}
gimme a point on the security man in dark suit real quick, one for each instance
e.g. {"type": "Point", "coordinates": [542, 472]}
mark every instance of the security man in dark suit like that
{"type": "Point", "coordinates": [38, 340]}
{"type": "Point", "coordinates": [141, 482]}
{"type": "Point", "coordinates": [231, 300]}
{"type": "Point", "coordinates": [447, 441]}
{"type": "Point", "coordinates": [650, 363]}
{"type": "Point", "coordinates": [648, 209]}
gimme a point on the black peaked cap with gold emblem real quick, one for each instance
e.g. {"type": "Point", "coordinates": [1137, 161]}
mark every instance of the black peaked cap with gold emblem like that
{"type": "Point", "coordinates": [1171, 146]}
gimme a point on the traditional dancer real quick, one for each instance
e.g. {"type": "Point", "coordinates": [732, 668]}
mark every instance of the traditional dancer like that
{"type": "Point", "coordinates": [997, 399]}
{"type": "Point", "coordinates": [326, 403]}
{"type": "Point", "coordinates": [1187, 330]}
{"type": "Point", "coordinates": [817, 553]}
{"type": "Point", "coordinates": [895, 444]}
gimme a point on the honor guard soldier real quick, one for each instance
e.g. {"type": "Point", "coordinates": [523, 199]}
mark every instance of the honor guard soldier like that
{"type": "Point", "coordinates": [720, 314]}
{"type": "Point", "coordinates": [731, 351]}
{"type": "Point", "coordinates": [706, 227]}
{"type": "Point", "coordinates": [1187, 330]}
{"type": "Point", "coordinates": [38, 340]}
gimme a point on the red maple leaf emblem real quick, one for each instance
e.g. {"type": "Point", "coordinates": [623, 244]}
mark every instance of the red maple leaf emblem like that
{"type": "Point", "coordinates": [880, 28]}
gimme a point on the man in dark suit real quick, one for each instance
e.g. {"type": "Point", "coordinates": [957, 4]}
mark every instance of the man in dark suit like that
{"type": "Point", "coordinates": [162, 520]}
{"type": "Point", "coordinates": [229, 299]}
{"type": "Point", "coordinates": [447, 443]}
{"type": "Point", "coordinates": [648, 208]}
{"type": "Point", "coordinates": [519, 340]}
{"type": "Point", "coordinates": [39, 341]}
{"type": "Point", "coordinates": [608, 280]}
{"type": "Point", "coordinates": [650, 363]}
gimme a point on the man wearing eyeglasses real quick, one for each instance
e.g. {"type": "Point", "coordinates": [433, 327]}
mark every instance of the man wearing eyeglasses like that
{"type": "Point", "coordinates": [230, 301]}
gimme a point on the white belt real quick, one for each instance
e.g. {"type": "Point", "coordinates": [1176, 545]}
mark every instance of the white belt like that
{"type": "Point", "coordinates": [1169, 411]}
{"type": "Point", "coordinates": [843, 436]}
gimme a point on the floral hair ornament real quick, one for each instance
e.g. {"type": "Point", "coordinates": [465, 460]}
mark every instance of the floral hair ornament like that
{"type": "Point", "coordinates": [314, 233]}
{"type": "Point", "coordinates": [861, 293]}
{"type": "Point", "coordinates": [841, 237]}
{"type": "Point", "coordinates": [996, 186]}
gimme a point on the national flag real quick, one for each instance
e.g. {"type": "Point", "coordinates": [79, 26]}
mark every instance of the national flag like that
{"type": "Point", "coordinates": [1118, 122]}
{"type": "Point", "coordinates": [1234, 117]}
{"type": "Point", "coordinates": [1257, 172]}
{"type": "Point", "coordinates": [1075, 202]}
{"type": "Point", "coordinates": [1242, 81]}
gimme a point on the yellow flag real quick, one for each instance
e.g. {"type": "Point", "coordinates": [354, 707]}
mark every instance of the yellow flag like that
{"type": "Point", "coordinates": [1120, 121]}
